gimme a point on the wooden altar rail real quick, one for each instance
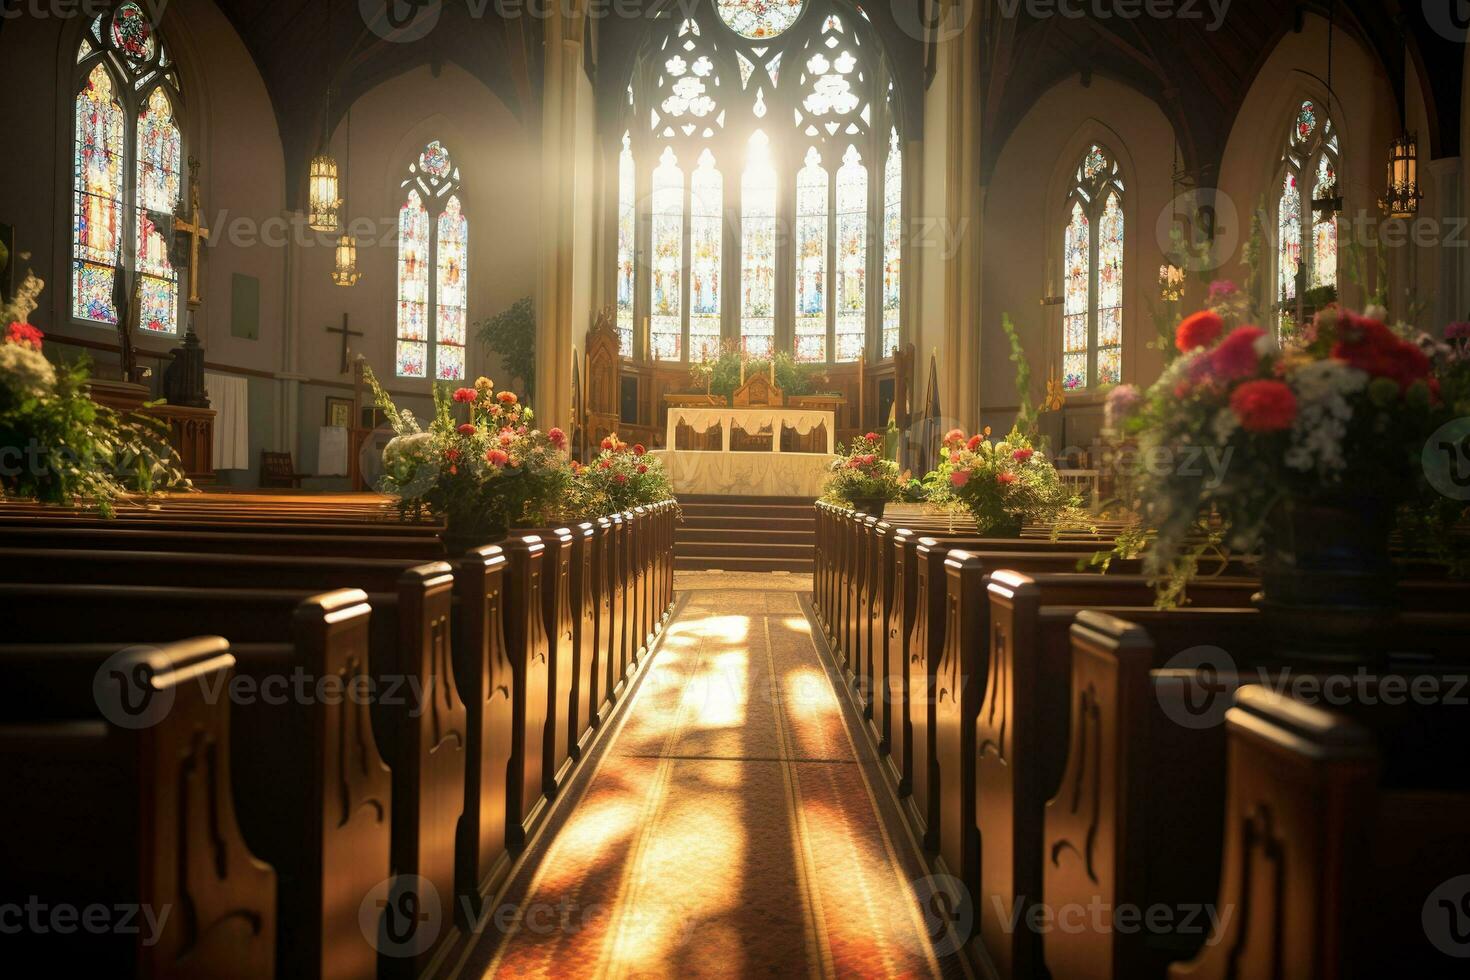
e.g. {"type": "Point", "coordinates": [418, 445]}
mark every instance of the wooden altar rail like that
{"type": "Point", "coordinates": [1027, 714]}
{"type": "Point", "coordinates": [332, 794]}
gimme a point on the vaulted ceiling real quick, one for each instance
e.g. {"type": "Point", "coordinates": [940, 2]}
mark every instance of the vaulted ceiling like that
{"type": "Point", "coordinates": [1199, 77]}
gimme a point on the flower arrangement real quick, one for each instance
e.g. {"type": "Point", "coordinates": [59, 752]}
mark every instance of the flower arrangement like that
{"type": "Point", "coordinates": [862, 477]}
{"type": "Point", "coordinates": [481, 465]}
{"type": "Point", "coordinates": [57, 445]}
{"type": "Point", "coordinates": [1002, 484]}
{"type": "Point", "coordinates": [1239, 425]}
{"type": "Point", "coordinates": [621, 477]}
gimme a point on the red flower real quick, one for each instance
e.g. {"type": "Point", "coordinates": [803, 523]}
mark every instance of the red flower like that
{"type": "Point", "coordinates": [620, 478]}
{"type": "Point", "coordinates": [974, 443]}
{"type": "Point", "coordinates": [1022, 455]}
{"type": "Point", "coordinates": [954, 455]}
{"type": "Point", "coordinates": [959, 477]}
{"type": "Point", "coordinates": [871, 437]}
{"type": "Point", "coordinates": [605, 464]}
{"type": "Point", "coordinates": [953, 436]}
{"type": "Point", "coordinates": [607, 443]}
{"type": "Point", "coordinates": [506, 439]}
{"type": "Point", "coordinates": [496, 457]}
{"type": "Point", "coordinates": [466, 429]}
{"type": "Point", "coordinates": [464, 395]}
{"type": "Point", "coordinates": [1370, 346]}
{"type": "Point", "coordinates": [1005, 478]}
{"type": "Point", "coordinates": [638, 449]}
{"type": "Point", "coordinates": [452, 455]}
{"type": "Point", "coordinates": [558, 438]}
{"type": "Point", "coordinates": [642, 468]}
{"type": "Point", "coordinates": [1236, 356]}
{"type": "Point", "coordinates": [25, 335]}
{"type": "Point", "coordinates": [1198, 330]}
{"type": "Point", "coordinates": [1264, 406]}
{"type": "Point", "coordinates": [507, 397]}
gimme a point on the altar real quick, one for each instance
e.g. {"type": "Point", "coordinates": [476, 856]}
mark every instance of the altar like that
{"type": "Point", "coordinates": [760, 451]}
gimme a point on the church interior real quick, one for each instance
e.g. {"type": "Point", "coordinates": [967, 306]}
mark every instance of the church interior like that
{"type": "Point", "coordinates": [629, 488]}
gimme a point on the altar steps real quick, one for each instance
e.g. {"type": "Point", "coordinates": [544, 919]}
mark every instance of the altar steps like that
{"type": "Point", "coordinates": [746, 534]}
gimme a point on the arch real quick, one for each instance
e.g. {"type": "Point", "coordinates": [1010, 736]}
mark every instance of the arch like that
{"type": "Point", "coordinates": [1093, 262]}
{"type": "Point", "coordinates": [432, 270]}
{"type": "Point", "coordinates": [1304, 258]}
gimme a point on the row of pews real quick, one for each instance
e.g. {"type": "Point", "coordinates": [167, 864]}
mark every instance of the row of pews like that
{"type": "Point", "coordinates": [253, 738]}
{"type": "Point", "coordinates": [1133, 793]}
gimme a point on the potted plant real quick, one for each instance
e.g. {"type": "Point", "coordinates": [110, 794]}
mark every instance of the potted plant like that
{"type": "Point", "coordinates": [862, 478]}
{"type": "Point", "coordinates": [1303, 451]}
{"type": "Point", "coordinates": [622, 477]}
{"type": "Point", "coordinates": [1002, 484]}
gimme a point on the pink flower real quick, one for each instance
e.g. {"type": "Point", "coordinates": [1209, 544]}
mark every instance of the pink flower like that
{"type": "Point", "coordinates": [464, 395]}
{"type": "Point", "coordinates": [1022, 455]}
{"type": "Point", "coordinates": [1004, 479]}
{"type": "Point", "coordinates": [871, 437]}
{"type": "Point", "coordinates": [1121, 402]}
{"type": "Point", "coordinates": [959, 477]}
{"type": "Point", "coordinates": [974, 443]}
{"type": "Point", "coordinates": [954, 436]}
{"type": "Point", "coordinates": [507, 397]}
{"type": "Point", "coordinates": [620, 478]}
{"type": "Point", "coordinates": [1457, 331]}
{"type": "Point", "coordinates": [496, 457]}
{"type": "Point", "coordinates": [1221, 289]}
{"type": "Point", "coordinates": [954, 455]}
{"type": "Point", "coordinates": [1264, 406]}
{"type": "Point", "coordinates": [466, 429]}
{"type": "Point", "coordinates": [1236, 356]}
{"type": "Point", "coordinates": [558, 438]}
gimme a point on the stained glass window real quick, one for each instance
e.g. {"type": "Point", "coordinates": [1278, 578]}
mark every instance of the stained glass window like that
{"type": "Point", "coordinates": [852, 257]}
{"type": "Point", "coordinates": [452, 247]}
{"type": "Point", "coordinates": [97, 233]}
{"type": "Point", "coordinates": [433, 269]}
{"type": "Point", "coordinates": [706, 231]}
{"type": "Point", "coordinates": [1306, 218]}
{"type": "Point", "coordinates": [811, 260]}
{"type": "Point", "coordinates": [759, 19]}
{"type": "Point", "coordinates": [665, 294]}
{"type": "Point", "coordinates": [892, 242]}
{"type": "Point", "coordinates": [808, 73]}
{"type": "Point", "coordinates": [127, 169]}
{"type": "Point", "coordinates": [758, 249]}
{"type": "Point", "coordinates": [627, 194]}
{"type": "Point", "coordinates": [1077, 260]}
{"type": "Point", "coordinates": [158, 193]}
{"type": "Point", "coordinates": [413, 288]}
{"type": "Point", "coordinates": [1092, 274]}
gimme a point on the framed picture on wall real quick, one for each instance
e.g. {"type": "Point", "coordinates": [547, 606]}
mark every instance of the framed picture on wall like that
{"type": "Point", "coordinates": [339, 412]}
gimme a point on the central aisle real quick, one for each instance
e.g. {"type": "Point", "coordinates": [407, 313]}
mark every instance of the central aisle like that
{"type": "Point", "coordinates": [730, 827]}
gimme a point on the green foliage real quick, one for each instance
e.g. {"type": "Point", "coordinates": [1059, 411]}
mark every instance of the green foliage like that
{"type": "Point", "coordinates": [622, 477]}
{"type": "Point", "coordinates": [1002, 484]}
{"type": "Point", "coordinates": [511, 333]}
{"type": "Point", "coordinates": [862, 472]}
{"type": "Point", "coordinates": [1026, 414]}
{"type": "Point", "coordinates": [720, 375]}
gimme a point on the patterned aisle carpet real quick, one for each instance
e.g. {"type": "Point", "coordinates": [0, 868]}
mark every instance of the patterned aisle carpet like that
{"type": "Point", "coordinates": [731, 827]}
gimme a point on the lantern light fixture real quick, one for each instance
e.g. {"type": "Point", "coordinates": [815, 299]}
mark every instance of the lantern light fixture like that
{"type": "Point", "coordinates": [345, 271]}
{"type": "Point", "coordinates": [1404, 195]}
{"type": "Point", "coordinates": [325, 199]}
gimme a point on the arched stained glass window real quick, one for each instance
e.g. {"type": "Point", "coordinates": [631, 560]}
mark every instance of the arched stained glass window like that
{"type": "Point", "coordinates": [811, 260]}
{"type": "Point", "coordinates": [666, 296]}
{"type": "Point", "coordinates": [127, 170]}
{"type": "Point", "coordinates": [433, 269]}
{"type": "Point", "coordinates": [892, 242]}
{"type": "Point", "coordinates": [1092, 264]}
{"type": "Point", "coordinates": [788, 231]}
{"type": "Point", "coordinates": [758, 250]}
{"type": "Point", "coordinates": [1307, 246]}
{"type": "Point", "coordinates": [627, 231]}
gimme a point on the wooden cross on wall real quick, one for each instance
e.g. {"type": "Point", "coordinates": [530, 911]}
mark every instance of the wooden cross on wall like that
{"type": "Point", "coordinates": [346, 334]}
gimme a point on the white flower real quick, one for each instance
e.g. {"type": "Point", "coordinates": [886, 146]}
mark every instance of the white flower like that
{"type": "Point", "coordinates": [25, 370]}
{"type": "Point", "coordinates": [1323, 414]}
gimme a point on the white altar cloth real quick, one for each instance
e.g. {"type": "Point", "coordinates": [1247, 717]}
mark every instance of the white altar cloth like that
{"type": "Point", "coordinates": [746, 474]}
{"type": "Point", "coordinates": [751, 420]}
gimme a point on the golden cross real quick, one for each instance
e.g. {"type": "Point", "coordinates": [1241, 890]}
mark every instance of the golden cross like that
{"type": "Point", "coordinates": [193, 225]}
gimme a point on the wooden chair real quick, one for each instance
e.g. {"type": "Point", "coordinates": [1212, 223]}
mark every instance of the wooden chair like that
{"type": "Point", "coordinates": [278, 470]}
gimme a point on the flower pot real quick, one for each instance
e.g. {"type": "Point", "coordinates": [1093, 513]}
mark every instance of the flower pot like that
{"type": "Point", "coordinates": [1328, 584]}
{"type": "Point", "coordinates": [870, 505]}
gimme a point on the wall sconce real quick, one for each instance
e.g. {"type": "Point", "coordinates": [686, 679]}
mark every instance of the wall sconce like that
{"type": "Point", "coordinates": [1402, 200]}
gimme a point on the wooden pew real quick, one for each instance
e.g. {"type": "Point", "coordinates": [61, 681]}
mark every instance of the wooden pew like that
{"type": "Point", "coordinates": [1344, 834]}
{"type": "Point", "coordinates": [416, 712]}
{"type": "Point", "coordinates": [226, 543]}
{"type": "Point", "coordinates": [526, 644]}
{"type": "Point", "coordinates": [556, 607]}
{"type": "Point", "coordinates": [1134, 772]}
{"type": "Point", "coordinates": [180, 892]}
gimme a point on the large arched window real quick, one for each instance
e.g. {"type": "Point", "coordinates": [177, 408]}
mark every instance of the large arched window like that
{"type": "Point", "coordinates": [127, 169]}
{"type": "Point", "coordinates": [761, 153]}
{"type": "Point", "coordinates": [1306, 245]}
{"type": "Point", "coordinates": [1092, 264]}
{"type": "Point", "coordinates": [433, 269]}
